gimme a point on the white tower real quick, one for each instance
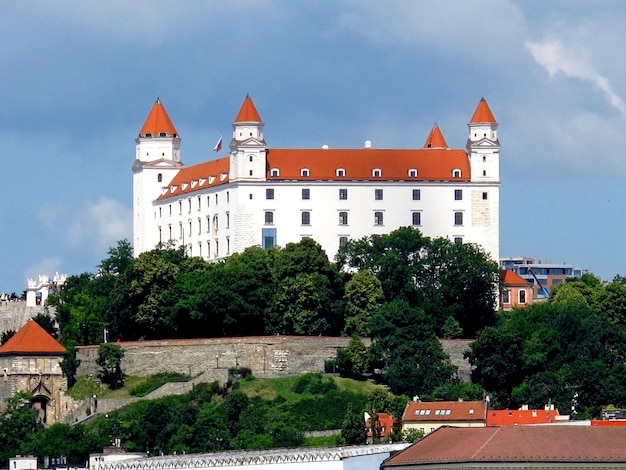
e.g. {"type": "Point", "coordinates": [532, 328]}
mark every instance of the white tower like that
{"type": "Point", "coordinates": [157, 161]}
{"type": "Point", "coordinates": [247, 148]}
{"type": "Point", "coordinates": [483, 146]}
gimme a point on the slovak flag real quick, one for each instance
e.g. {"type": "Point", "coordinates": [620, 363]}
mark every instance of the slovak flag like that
{"type": "Point", "coordinates": [218, 146]}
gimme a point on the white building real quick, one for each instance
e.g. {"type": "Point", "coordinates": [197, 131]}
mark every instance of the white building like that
{"type": "Point", "coordinates": [257, 195]}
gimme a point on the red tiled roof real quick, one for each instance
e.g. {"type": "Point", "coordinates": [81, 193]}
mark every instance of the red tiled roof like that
{"type": "Point", "coordinates": [31, 339]}
{"type": "Point", "coordinates": [435, 139]}
{"type": "Point", "coordinates": [200, 176]}
{"type": "Point", "coordinates": [158, 122]}
{"type": "Point", "coordinates": [482, 113]}
{"type": "Point", "coordinates": [519, 417]}
{"type": "Point", "coordinates": [431, 164]}
{"type": "Point", "coordinates": [516, 444]}
{"type": "Point", "coordinates": [511, 278]}
{"type": "Point", "coordinates": [385, 422]}
{"type": "Point", "coordinates": [358, 164]}
{"type": "Point", "coordinates": [445, 411]}
{"type": "Point", "coordinates": [248, 112]}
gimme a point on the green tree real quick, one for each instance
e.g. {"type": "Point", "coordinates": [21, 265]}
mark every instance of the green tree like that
{"type": "Point", "coordinates": [353, 360]}
{"type": "Point", "coordinates": [110, 360]}
{"type": "Point", "coordinates": [69, 365]}
{"type": "Point", "coordinates": [18, 425]}
{"type": "Point", "coordinates": [48, 323]}
{"type": "Point", "coordinates": [6, 336]}
{"type": "Point", "coordinates": [412, 357]}
{"type": "Point", "coordinates": [353, 428]}
{"type": "Point", "coordinates": [364, 296]}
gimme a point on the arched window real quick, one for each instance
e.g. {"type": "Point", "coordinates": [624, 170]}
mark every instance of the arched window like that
{"type": "Point", "coordinates": [160, 178]}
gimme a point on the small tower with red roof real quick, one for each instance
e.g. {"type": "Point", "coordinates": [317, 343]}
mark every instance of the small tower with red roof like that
{"type": "Point", "coordinates": [247, 147]}
{"type": "Point", "coordinates": [157, 161]}
{"type": "Point", "coordinates": [30, 362]}
{"type": "Point", "coordinates": [483, 146]}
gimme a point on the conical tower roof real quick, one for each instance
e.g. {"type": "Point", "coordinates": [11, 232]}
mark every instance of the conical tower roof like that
{"type": "Point", "coordinates": [158, 123]}
{"type": "Point", "coordinates": [32, 339]}
{"type": "Point", "coordinates": [483, 113]}
{"type": "Point", "coordinates": [435, 139]}
{"type": "Point", "coordinates": [248, 112]}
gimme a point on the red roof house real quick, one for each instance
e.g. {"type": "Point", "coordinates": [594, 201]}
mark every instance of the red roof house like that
{"type": "Point", "coordinates": [516, 292]}
{"type": "Point", "coordinates": [428, 416]}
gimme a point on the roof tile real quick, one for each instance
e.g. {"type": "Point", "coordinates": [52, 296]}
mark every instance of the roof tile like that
{"type": "Point", "coordinates": [482, 113]}
{"type": "Point", "coordinates": [31, 338]}
{"type": "Point", "coordinates": [248, 112]}
{"type": "Point", "coordinates": [158, 122]}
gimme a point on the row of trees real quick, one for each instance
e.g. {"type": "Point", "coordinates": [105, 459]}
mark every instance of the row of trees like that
{"type": "Point", "coordinates": [401, 289]}
{"type": "Point", "coordinates": [200, 421]}
{"type": "Point", "coordinates": [569, 351]}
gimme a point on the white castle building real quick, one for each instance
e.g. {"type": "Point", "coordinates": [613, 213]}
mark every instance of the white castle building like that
{"type": "Point", "coordinates": [258, 195]}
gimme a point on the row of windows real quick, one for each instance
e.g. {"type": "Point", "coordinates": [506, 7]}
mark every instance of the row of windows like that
{"type": "Point", "coordinates": [416, 218]}
{"type": "Point", "coordinates": [378, 194]}
{"type": "Point", "coordinates": [521, 296]}
{"type": "Point", "coordinates": [376, 172]}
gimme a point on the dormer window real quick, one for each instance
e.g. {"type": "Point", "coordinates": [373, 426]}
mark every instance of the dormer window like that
{"type": "Point", "coordinates": [412, 173]}
{"type": "Point", "coordinates": [274, 172]}
{"type": "Point", "coordinates": [148, 134]}
{"type": "Point", "coordinates": [162, 134]}
{"type": "Point", "coordinates": [304, 172]}
{"type": "Point", "coordinates": [340, 172]}
{"type": "Point", "coordinates": [456, 173]}
{"type": "Point", "coordinates": [377, 172]}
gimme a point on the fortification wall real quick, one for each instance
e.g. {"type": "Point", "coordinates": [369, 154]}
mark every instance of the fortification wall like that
{"type": "Point", "coordinates": [14, 315]}
{"type": "Point", "coordinates": [265, 356]}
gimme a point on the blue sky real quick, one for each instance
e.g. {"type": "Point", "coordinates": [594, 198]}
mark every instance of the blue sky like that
{"type": "Point", "coordinates": [78, 78]}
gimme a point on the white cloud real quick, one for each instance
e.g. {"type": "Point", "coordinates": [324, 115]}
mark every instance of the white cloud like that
{"type": "Point", "coordinates": [47, 266]}
{"type": "Point", "coordinates": [573, 63]}
{"type": "Point", "coordinates": [101, 224]}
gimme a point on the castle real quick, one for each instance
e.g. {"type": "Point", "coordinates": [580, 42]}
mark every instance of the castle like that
{"type": "Point", "coordinates": [258, 195]}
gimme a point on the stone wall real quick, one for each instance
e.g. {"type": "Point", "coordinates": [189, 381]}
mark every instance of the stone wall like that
{"type": "Point", "coordinates": [265, 356]}
{"type": "Point", "coordinates": [14, 315]}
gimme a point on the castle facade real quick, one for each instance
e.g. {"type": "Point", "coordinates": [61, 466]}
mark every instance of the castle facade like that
{"type": "Point", "coordinates": [259, 195]}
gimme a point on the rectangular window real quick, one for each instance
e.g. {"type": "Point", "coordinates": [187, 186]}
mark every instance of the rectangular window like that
{"type": "Point", "coordinates": [484, 196]}
{"type": "Point", "coordinates": [343, 194]}
{"type": "Point", "coordinates": [378, 218]}
{"type": "Point", "coordinates": [306, 218]}
{"type": "Point", "coordinates": [269, 193]}
{"type": "Point", "coordinates": [522, 296]}
{"type": "Point", "coordinates": [506, 296]}
{"type": "Point", "coordinates": [343, 218]}
{"type": "Point", "coordinates": [306, 193]}
{"type": "Point", "coordinates": [227, 219]}
{"type": "Point", "coordinates": [458, 240]}
{"type": "Point", "coordinates": [269, 237]}
{"type": "Point", "coordinates": [416, 218]}
{"type": "Point", "coordinates": [269, 218]}
{"type": "Point", "coordinates": [458, 194]}
{"type": "Point", "coordinates": [458, 218]}
{"type": "Point", "coordinates": [378, 194]}
{"type": "Point", "coordinates": [343, 241]}
{"type": "Point", "coordinates": [417, 194]}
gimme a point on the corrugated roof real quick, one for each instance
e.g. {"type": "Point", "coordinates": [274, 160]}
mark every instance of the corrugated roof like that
{"type": "Point", "coordinates": [158, 123]}
{"type": "Point", "coordinates": [551, 443]}
{"type": "Point", "coordinates": [482, 113]}
{"type": "Point", "coordinates": [444, 411]}
{"type": "Point", "coordinates": [31, 339]}
{"type": "Point", "coordinates": [247, 112]}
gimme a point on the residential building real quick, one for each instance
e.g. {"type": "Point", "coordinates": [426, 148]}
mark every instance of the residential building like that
{"type": "Point", "coordinates": [542, 276]}
{"type": "Point", "coordinates": [520, 447]}
{"type": "Point", "coordinates": [524, 416]}
{"type": "Point", "coordinates": [427, 416]}
{"type": "Point", "coordinates": [259, 195]}
{"type": "Point", "coordinates": [516, 291]}
{"type": "Point", "coordinates": [384, 423]}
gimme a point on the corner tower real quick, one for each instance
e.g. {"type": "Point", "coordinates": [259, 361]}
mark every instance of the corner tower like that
{"type": "Point", "coordinates": [483, 146]}
{"type": "Point", "coordinates": [247, 147]}
{"type": "Point", "coordinates": [157, 160]}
